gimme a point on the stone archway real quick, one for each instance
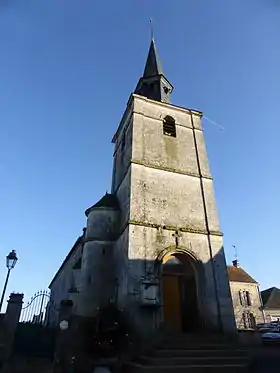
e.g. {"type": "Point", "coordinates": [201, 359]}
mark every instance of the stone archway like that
{"type": "Point", "coordinates": [180, 279]}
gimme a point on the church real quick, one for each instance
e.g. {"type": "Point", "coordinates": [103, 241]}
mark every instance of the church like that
{"type": "Point", "coordinates": [153, 245]}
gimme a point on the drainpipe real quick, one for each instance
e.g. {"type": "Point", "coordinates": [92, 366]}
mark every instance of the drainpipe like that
{"type": "Point", "coordinates": [207, 227]}
{"type": "Point", "coordinates": [261, 303]}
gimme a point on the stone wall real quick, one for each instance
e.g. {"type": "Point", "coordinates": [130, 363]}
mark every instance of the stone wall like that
{"type": "Point", "coordinates": [122, 151]}
{"type": "Point", "coordinates": [98, 283]}
{"type": "Point", "coordinates": [67, 278]}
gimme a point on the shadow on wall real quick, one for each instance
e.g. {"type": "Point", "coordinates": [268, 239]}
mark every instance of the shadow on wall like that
{"type": "Point", "coordinates": [177, 291]}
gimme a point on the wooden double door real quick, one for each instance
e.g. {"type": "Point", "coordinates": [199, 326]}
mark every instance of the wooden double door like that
{"type": "Point", "coordinates": [180, 306]}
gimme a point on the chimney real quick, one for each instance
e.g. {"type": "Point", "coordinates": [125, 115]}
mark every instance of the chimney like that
{"type": "Point", "coordinates": [235, 263]}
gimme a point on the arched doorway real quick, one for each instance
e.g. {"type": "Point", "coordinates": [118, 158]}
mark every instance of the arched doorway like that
{"type": "Point", "coordinates": [179, 290]}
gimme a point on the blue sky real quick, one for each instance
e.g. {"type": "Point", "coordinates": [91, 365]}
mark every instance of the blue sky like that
{"type": "Point", "coordinates": [66, 71]}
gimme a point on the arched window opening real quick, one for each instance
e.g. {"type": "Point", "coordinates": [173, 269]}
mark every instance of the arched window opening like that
{"type": "Point", "coordinates": [169, 126]}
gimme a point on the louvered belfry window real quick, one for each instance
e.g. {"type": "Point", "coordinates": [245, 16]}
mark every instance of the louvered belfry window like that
{"type": "Point", "coordinates": [169, 126]}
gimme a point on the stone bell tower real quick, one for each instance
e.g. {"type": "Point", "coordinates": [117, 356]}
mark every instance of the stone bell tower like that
{"type": "Point", "coordinates": [163, 183]}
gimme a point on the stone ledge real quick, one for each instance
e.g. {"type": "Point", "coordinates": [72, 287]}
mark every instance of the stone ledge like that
{"type": "Point", "coordinates": [161, 120]}
{"type": "Point", "coordinates": [168, 169]}
{"type": "Point", "coordinates": [174, 228]}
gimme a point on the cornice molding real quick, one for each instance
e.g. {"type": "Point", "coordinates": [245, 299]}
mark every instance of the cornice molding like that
{"type": "Point", "coordinates": [174, 228]}
{"type": "Point", "coordinates": [169, 169]}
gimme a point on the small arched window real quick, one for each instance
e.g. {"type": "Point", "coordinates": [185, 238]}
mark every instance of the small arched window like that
{"type": "Point", "coordinates": [169, 126]}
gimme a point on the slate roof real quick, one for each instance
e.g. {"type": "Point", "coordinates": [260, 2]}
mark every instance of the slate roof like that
{"type": "Point", "coordinates": [271, 298]}
{"type": "Point", "coordinates": [108, 200]}
{"type": "Point", "coordinates": [153, 65]}
{"type": "Point", "coordinates": [237, 274]}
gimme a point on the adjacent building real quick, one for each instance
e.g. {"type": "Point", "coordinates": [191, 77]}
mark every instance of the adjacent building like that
{"type": "Point", "coordinates": [246, 298]}
{"type": "Point", "coordinates": [271, 303]}
{"type": "Point", "coordinates": [154, 244]}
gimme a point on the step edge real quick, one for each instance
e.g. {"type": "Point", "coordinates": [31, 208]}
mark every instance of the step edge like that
{"type": "Point", "coordinates": [188, 366]}
{"type": "Point", "coordinates": [194, 357]}
{"type": "Point", "coordinates": [195, 350]}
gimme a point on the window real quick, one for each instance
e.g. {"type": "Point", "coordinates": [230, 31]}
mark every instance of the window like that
{"type": "Point", "coordinates": [251, 321]}
{"type": "Point", "coordinates": [248, 320]}
{"type": "Point", "coordinates": [245, 298]}
{"type": "Point", "coordinates": [241, 297]}
{"type": "Point", "coordinates": [169, 126]}
{"type": "Point", "coordinates": [248, 298]}
{"type": "Point", "coordinates": [244, 320]}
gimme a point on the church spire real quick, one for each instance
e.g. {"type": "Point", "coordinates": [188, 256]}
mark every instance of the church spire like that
{"type": "Point", "coordinates": [153, 65]}
{"type": "Point", "coordinates": [153, 83]}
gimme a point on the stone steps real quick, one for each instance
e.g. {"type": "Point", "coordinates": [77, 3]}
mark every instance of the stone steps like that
{"type": "Point", "coordinates": [198, 352]}
{"type": "Point", "coordinates": [201, 368]}
{"type": "Point", "coordinates": [178, 345]}
{"type": "Point", "coordinates": [193, 354]}
{"type": "Point", "coordinates": [191, 360]}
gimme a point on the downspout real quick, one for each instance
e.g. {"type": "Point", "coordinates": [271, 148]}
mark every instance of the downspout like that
{"type": "Point", "coordinates": [261, 302]}
{"type": "Point", "coordinates": [207, 227]}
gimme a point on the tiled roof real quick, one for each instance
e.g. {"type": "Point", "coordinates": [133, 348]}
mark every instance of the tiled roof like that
{"type": "Point", "coordinates": [237, 274]}
{"type": "Point", "coordinates": [271, 298]}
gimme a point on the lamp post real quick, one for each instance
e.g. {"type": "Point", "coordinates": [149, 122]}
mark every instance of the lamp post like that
{"type": "Point", "coordinates": [11, 260]}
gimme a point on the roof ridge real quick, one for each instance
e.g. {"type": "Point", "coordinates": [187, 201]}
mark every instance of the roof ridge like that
{"type": "Point", "coordinates": [238, 274]}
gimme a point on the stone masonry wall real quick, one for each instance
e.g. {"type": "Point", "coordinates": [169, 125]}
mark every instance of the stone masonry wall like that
{"type": "Point", "coordinates": [164, 188]}
{"type": "Point", "coordinates": [66, 278]}
{"type": "Point", "coordinates": [255, 308]}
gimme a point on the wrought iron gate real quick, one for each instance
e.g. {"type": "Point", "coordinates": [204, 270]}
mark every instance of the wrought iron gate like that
{"type": "Point", "coordinates": [36, 310]}
{"type": "Point", "coordinates": [34, 337]}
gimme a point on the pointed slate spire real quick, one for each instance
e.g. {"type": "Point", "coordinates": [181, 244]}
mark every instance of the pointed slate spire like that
{"type": "Point", "coordinates": [153, 84]}
{"type": "Point", "coordinates": [153, 65]}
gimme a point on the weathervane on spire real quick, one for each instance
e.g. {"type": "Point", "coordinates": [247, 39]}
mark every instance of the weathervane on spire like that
{"type": "Point", "coordinates": [235, 261]}
{"type": "Point", "coordinates": [151, 28]}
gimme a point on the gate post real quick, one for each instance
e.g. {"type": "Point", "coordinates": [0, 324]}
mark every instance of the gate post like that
{"type": "Point", "coordinates": [11, 320]}
{"type": "Point", "coordinates": [63, 352]}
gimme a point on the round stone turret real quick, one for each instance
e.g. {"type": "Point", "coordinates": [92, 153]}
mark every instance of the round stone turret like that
{"type": "Point", "coordinates": [98, 269]}
{"type": "Point", "coordinates": [103, 218]}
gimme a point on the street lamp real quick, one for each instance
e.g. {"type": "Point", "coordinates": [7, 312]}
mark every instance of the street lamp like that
{"type": "Point", "coordinates": [11, 260]}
